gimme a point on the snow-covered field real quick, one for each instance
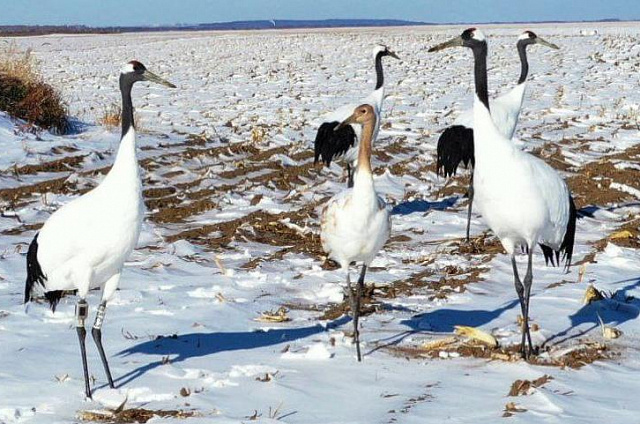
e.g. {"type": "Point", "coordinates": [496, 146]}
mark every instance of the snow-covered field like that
{"type": "Point", "coordinates": [232, 231]}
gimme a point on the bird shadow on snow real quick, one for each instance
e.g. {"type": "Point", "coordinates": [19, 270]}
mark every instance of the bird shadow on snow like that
{"type": "Point", "coordinates": [185, 346]}
{"type": "Point", "coordinates": [444, 320]}
{"type": "Point", "coordinates": [591, 210]}
{"type": "Point", "coordinates": [420, 205]}
{"type": "Point", "coordinates": [618, 309]}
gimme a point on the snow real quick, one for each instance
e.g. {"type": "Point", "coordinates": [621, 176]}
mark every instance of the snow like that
{"type": "Point", "coordinates": [185, 314]}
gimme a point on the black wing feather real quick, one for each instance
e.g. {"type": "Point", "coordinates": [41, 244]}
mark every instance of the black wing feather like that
{"type": "Point", "coordinates": [566, 248]}
{"type": "Point", "coordinates": [36, 276]}
{"type": "Point", "coordinates": [455, 145]}
{"type": "Point", "coordinates": [330, 144]}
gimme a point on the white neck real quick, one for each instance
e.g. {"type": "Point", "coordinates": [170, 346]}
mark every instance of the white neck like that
{"type": "Point", "coordinates": [376, 98]}
{"type": "Point", "coordinates": [363, 187]}
{"type": "Point", "coordinates": [489, 143]}
{"type": "Point", "coordinates": [125, 171]}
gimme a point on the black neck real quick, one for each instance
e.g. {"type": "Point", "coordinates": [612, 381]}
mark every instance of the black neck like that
{"type": "Point", "coordinates": [524, 63]}
{"type": "Point", "coordinates": [480, 72]}
{"type": "Point", "coordinates": [127, 105]}
{"type": "Point", "coordinates": [379, 74]}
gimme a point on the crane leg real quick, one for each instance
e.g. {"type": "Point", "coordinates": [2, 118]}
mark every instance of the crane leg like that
{"type": "Point", "coordinates": [470, 206]}
{"type": "Point", "coordinates": [527, 283]}
{"type": "Point", "coordinates": [96, 332]}
{"type": "Point", "coordinates": [520, 291]}
{"type": "Point", "coordinates": [349, 176]}
{"type": "Point", "coordinates": [354, 307]}
{"type": "Point", "coordinates": [356, 311]}
{"type": "Point", "coordinates": [82, 311]}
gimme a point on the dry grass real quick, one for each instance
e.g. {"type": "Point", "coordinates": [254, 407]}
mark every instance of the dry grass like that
{"type": "Point", "coordinates": [24, 94]}
{"type": "Point", "coordinates": [112, 117]}
{"type": "Point", "coordinates": [134, 415]}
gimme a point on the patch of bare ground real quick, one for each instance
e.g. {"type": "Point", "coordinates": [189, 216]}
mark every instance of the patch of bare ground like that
{"type": "Point", "coordinates": [482, 244]}
{"type": "Point", "coordinates": [405, 167]}
{"type": "Point", "coordinates": [14, 195]}
{"type": "Point", "coordinates": [591, 185]}
{"type": "Point", "coordinates": [132, 415]}
{"type": "Point", "coordinates": [525, 387]}
{"type": "Point", "coordinates": [584, 353]}
{"type": "Point", "coordinates": [551, 153]}
{"type": "Point", "coordinates": [285, 229]}
{"type": "Point", "coordinates": [62, 185]}
{"type": "Point", "coordinates": [179, 213]}
{"type": "Point", "coordinates": [457, 185]}
{"type": "Point", "coordinates": [369, 305]}
{"type": "Point", "coordinates": [22, 229]}
{"type": "Point", "coordinates": [178, 206]}
{"type": "Point", "coordinates": [65, 164]}
{"type": "Point", "coordinates": [454, 279]}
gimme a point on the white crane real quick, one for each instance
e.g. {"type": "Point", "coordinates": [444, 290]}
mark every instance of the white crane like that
{"type": "Point", "coordinates": [524, 201]}
{"type": "Point", "coordinates": [455, 144]}
{"type": "Point", "coordinates": [343, 143]}
{"type": "Point", "coordinates": [84, 244]}
{"type": "Point", "coordinates": [356, 223]}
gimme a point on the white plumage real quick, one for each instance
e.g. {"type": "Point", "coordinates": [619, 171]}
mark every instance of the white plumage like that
{"type": "Point", "coordinates": [456, 145]}
{"type": "Point", "coordinates": [524, 201]}
{"type": "Point", "coordinates": [85, 243]}
{"type": "Point", "coordinates": [356, 223]}
{"type": "Point", "coordinates": [505, 111]}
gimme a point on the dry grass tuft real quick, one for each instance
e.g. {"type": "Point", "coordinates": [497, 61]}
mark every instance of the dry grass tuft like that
{"type": "Point", "coordinates": [111, 116]}
{"type": "Point", "coordinates": [24, 94]}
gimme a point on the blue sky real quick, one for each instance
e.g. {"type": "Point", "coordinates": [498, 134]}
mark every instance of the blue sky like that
{"type": "Point", "coordinates": [157, 12]}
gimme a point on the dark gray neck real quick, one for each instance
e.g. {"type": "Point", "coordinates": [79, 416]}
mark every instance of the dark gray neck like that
{"type": "Point", "coordinates": [480, 73]}
{"type": "Point", "coordinates": [379, 73]}
{"type": "Point", "coordinates": [524, 63]}
{"type": "Point", "coordinates": [127, 104]}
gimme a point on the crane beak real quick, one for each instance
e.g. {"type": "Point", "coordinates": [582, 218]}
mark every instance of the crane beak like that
{"type": "Point", "coordinates": [350, 120]}
{"type": "Point", "coordinates": [544, 42]}
{"type": "Point", "coordinates": [151, 77]}
{"type": "Point", "coordinates": [393, 55]}
{"type": "Point", "coordinates": [454, 42]}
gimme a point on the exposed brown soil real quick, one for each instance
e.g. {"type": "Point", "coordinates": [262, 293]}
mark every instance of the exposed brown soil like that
{"type": "Point", "coordinates": [56, 185]}
{"type": "Point", "coordinates": [65, 164]}
{"type": "Point", "coordinates": [585, 353]}
{"type": "Point", "coordinates": [523, 387]}
{"type": "Point", "coordinates": [551, 153]}
{"type": "Point", "coordinates": [133, 415]}
{"type": "Point", "coordinates": [482, 244]}
{"type": "Point", "coordinates": [591, 186]}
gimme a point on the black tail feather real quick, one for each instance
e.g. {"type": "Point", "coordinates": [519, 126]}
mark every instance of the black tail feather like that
{"type": "Point", "coordinates": [330, 143]}
{"type": "Point", "coordinates": [36, 276]}
{"type": "Point", "coordinates": [570, 235]}
{"type": "Point", "coordinates": [566, 248]}
{"type": "Point", "coordinates": [455, 145]}
{"type": "Point", "coordinates": [53, 297]}
{"type": "Point", "coordinates": [548, 255]}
